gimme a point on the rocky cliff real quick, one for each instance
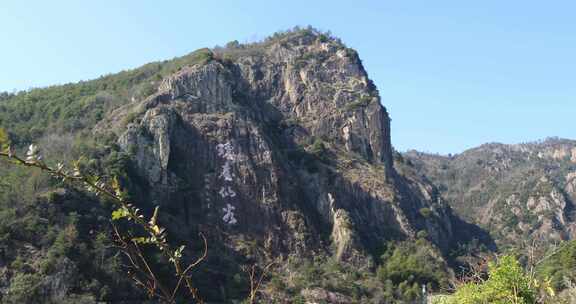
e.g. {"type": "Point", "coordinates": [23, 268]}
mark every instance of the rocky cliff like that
{"type": "Point", "coordinates": [286, 143]}
{"type": "Point", "coordinates": [521, 193]}
{"type": "Point", "coordinates": [278, 150]}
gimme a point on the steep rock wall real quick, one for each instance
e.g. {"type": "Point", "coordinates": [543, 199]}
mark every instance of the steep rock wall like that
{"type": "Point", "coordinates": [236, 144]}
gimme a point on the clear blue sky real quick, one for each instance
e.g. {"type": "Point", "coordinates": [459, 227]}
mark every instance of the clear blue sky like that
{"type": "Point", "coordinates": [453, 74]}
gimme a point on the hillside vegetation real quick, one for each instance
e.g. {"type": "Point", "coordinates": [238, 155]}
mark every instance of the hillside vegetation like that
{"type": "Point", "coordinates": [279, 153]}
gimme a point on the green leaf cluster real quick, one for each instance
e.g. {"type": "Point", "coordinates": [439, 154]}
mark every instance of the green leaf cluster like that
{"type": "Point", "coordinates": [507, 283]}
{"type": "Point", "coordinates": [560, 267]}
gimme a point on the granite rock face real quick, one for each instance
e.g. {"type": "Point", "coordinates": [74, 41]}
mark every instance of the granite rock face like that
{"type": "Point", "coordinates": [285, 143]}
{"type": "Point", "coordinates": [523, 192]}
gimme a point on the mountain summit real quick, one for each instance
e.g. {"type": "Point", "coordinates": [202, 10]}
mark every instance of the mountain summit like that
{"type": "Point", "coordinates": [285, 143]}
{"type": "Point", "coordinates": [276, 151]}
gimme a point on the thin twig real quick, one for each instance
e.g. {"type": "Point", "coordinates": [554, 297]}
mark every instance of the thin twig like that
{"type": "Point", "coordinates": [157, 233]}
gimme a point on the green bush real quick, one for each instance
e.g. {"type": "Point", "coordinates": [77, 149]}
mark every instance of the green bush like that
{"type": "Point", "coordinates": [408, 266]}
{"type": "Point", "coordinates": [560, 267]}
{"type": "Point", "coordinates": [507, 283]}
{"type": "Point", "coordinates": [24, 288]}
{"type": "Point", "coordinates": [318, 148]}
{"type": "Point", "coordinates": [425, 212]}
{"type": "Point", "coordinates": [422, 234]}
{"type": "Point", "coordinates": [362, 102]}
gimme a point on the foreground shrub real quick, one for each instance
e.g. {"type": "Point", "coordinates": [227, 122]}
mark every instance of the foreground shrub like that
{"type": "Point", "coordinates": [507, 283]}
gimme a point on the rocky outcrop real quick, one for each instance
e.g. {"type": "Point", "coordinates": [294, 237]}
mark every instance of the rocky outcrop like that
{"type": "Point", "coordinates": [276, 151]}
{"type": "Point", "coordinates": [318, 295]}
{"type": "Point", "coordinates": [285, 143]}
{"type": "Point", "coordinates": [519, 192]}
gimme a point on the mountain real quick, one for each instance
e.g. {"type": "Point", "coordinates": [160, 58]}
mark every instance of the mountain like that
{"type": "Point", "coordinates": [278, 150]}
{"type": "Point", "coordinates": [523, 194]}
